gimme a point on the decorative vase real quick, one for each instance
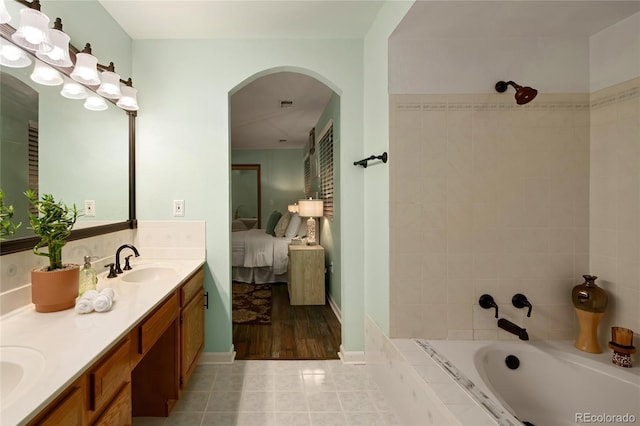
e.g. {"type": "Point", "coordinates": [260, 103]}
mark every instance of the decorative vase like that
{"type": "Point", "coordinates": [53, 291]}
{"type": "Point", "coordinates": [590, 302]}
{"type": "Point", "coordinates": [622, 345]}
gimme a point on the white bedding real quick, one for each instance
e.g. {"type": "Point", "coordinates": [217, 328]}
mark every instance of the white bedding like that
{"type": "Point", "coordinates": [257, 249]}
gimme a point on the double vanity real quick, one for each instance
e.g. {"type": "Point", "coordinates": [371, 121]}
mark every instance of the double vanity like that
{"type": "Point", "coordinates": [102, 368]}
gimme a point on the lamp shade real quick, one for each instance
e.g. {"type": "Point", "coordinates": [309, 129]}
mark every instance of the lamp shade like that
{"type": "Point", "coordinates": [292, 208]}
{"type": "Point", "coordinates": [33, 32]}
{"type": "Point", "coordinates": [45, 75]}
{"type": "Point", "coordinates": [110, 87]}
{"type": "Point", "coordinates": [310, 208]}
{"type": "Point", "coordinates": [73, 90]}
{"type": "Point", "coordinates": [128, 101]}
{"type": "Point", "coordinates": [95, 103]}
{"type": "Point", "coordinates": [86, 71]}
{"type": "Point", "coordinates": [59, 54]}
{"type": "Point", "coordinates": [12, 56]}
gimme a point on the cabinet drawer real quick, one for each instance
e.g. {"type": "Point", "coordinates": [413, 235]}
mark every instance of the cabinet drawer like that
{"type": "Point", "coordinates": [191, 287]}
{"type": "Point", "coordinates": [157, 323]}
{"type": "Point", "coordinates": [118, 413]}
{"type": "Point", "coordinates": [108, 376]}
{"type": "Point", "coordinates": [67, 411]}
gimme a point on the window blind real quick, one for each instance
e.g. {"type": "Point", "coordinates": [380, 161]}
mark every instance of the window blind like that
{"type": "Point", "coordinates": [326, 171]}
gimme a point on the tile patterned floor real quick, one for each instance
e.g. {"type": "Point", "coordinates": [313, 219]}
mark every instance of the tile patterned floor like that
{"type": "Point", "coordinates": [279, 393]}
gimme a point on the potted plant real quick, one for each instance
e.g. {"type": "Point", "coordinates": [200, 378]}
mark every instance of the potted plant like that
{"type": "Point", "coordinates": [7, 227]}
{"type": "Point", "coordinates": [53, 287]}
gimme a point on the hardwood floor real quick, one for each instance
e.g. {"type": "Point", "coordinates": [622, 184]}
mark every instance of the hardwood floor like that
{"type": "Point", "coordinates": [295, 332]}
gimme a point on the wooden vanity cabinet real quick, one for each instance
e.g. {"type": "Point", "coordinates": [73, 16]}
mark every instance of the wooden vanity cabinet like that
{"type": "Point", "coordinates": [143, 373]}
{"type": "Point", "coordinates": [191, 325]}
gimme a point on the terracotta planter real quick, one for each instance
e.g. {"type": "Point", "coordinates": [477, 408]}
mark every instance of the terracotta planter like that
{"type": "Point", "coordinates": [53, 291]}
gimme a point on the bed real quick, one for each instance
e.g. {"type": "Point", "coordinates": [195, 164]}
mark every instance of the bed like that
{"type": "Point", "coordinates": [259, 257]}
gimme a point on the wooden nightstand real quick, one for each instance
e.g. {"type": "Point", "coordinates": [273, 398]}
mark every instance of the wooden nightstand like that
{"type": "Point", "coordinates": [306, 275]}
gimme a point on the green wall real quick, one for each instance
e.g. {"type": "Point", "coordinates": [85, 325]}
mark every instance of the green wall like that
{"type": "Point", "coordinates": [183, 126]}
{"type": "Point", "coordinates": [281, 176]}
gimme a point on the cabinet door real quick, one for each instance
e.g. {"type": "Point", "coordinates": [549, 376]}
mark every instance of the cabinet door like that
{"type": "Point", "coordinates": [192, 336]}
{"type": "Point", "coordinates": [118, 412]}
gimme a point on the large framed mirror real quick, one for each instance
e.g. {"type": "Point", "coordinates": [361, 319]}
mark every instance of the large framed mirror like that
{"type": "Point", "coordinates": [246, 197]}
{"type": "Point", "coordinates": [56, 146]}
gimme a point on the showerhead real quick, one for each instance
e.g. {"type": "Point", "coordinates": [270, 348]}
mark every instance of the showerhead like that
{"type": "Point", "coordinates": [524, 95]}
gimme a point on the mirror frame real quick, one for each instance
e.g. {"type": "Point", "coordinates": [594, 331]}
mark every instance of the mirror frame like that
{"type": "Point", "coordinates": [27, 243]}
{"type": "Point", "coordinates": [256, 168]}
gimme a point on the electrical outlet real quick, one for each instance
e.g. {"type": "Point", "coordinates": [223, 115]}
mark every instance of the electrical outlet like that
{"type": "Point", "coordinates": [178, 207]}
{"type": "Point", "coordinates": [89, 207]}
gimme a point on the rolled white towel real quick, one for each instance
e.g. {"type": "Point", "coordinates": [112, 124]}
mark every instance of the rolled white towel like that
{"type": "Point", "coordinates": [84, 306]}
{"type": "Point", "coordinates": [109, 292]}
{"type": "Point", "coordinates": [102, 303]}
{"type": "Point", "coordinates": [90, 294]}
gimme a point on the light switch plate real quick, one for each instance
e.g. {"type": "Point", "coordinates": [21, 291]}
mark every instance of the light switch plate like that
{"type": "Point", "coordinates": [178, 208]}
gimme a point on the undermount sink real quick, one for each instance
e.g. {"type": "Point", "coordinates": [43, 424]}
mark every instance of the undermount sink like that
{"type": "Point", "coordinates": [20, 368]}
{"type": "Point", "coordinates": [149, 273]}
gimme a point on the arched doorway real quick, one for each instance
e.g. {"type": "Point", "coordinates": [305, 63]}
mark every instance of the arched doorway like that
{"type": "Point", "coordinates": [278, 118]}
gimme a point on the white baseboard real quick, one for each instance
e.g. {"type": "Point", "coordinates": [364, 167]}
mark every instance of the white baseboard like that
{"type": "Point", "coordinates": [335, 308]}
{"type": "Point", "coordinates": [217, 357]}
{"type": "Point", "coordinates": [352, 357]}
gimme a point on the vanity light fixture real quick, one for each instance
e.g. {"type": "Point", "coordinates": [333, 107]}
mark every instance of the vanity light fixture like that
{"type": "Point", "coordinates": [95, 103]}
{"type": "Point", "coordinates": [73, 90]}
{"type": "Point", "coordinates": [311, 208]}
{"type": "Point", "coordinates": [33, 32]}
{"type": "Point", "coordinates": [45, 75]}
{"type": "Point", "coordinates": [86, 69]}
{"type": "Point", "coordinates": [54, 47]}
{"type": "Point", "coordinates": [128, 101]}
{"type": "Point", "coordinates": [12, 56]}
{"type": "Point", "coordinates": [59, 54]}
{"type": "Point", "coordinates": [4, 13]}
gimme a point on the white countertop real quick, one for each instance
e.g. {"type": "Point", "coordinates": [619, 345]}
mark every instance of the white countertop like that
{"type": "Point", "coordinates": [71, 342]}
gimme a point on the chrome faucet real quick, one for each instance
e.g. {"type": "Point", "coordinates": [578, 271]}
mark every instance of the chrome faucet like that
{"type": "Point", "coordinates": [122, 247]}
{"type": "Point", "coordinates": [512, 328]}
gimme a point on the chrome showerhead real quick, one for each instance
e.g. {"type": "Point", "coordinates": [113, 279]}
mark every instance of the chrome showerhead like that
{"type": "Point", "coordinates": [524, 94]}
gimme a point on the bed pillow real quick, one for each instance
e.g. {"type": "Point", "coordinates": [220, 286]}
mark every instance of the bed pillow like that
{"type": "Point", "coordinates": [281, 227]}
{"type": "Point", "coordinates": [302, 229]}
{"type": "Point", "coordinates": [272, 222]}
{"type": "Point", "coordinates": [237, 225]}
{"type": "Point", "coordinates": [294, 224]}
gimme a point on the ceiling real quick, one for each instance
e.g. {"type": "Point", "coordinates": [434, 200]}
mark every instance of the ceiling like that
{"type": "Point", "coordinates": [257, 120]}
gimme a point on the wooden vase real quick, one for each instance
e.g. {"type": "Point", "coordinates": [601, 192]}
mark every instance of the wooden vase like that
{"type": "Point", "coordinates": [53, 291]}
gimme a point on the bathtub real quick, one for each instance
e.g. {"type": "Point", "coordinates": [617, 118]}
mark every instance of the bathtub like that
{"type": "Point", "coordinates": [551, 383]}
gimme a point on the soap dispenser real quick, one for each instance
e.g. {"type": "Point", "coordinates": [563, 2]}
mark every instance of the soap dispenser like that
{"type": "Point", "coordinates": [88, 276]}
{"type": "Point", "coordinates": [590, 302]}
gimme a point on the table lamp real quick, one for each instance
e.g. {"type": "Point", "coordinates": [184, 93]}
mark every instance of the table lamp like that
{"type": "Point", "coordinates": [311, 208]}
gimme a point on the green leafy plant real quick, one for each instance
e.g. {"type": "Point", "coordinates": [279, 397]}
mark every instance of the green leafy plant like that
{"type": "Point", "coordinates": [52, 222]}
{"type": "Point", "coordinates": [7, 227]}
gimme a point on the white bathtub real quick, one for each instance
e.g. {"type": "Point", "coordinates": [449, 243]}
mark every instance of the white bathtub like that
{"type": "Point", "coordinates": [554, 384]}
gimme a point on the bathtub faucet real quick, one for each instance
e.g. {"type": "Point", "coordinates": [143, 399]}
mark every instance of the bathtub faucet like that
{"type": "Point", "coordinates": [512, 328]}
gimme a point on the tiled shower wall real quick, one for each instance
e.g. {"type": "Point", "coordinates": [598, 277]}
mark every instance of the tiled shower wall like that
{"type": "Point", "coordinates": [615, 202]}
{"type": "Point", "coordinates": [487, 197]}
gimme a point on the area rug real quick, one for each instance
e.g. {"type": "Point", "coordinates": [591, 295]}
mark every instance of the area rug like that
{"type": "Point", "coordinates": [251, 303]}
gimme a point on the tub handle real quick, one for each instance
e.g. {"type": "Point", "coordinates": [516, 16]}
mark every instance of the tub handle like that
{"type": "Point", "coordinates": [519, 300]}
{"type": "Point", "coordinates": [487, 302]}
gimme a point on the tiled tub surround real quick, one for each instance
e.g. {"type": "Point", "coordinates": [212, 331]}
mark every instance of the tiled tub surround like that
{"type": "Point", "coordinates": [487, 196]}
{"type": "Point", "coordinates": [437, 382]}
{"type": "Point", "coordinates": [70, 342]}
{"type": "Point", "coordinates": [614, 205]}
